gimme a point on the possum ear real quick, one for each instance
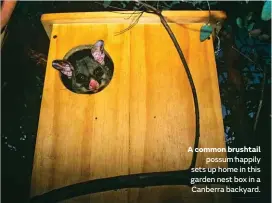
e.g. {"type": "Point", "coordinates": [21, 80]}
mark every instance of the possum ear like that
{"type": "Point", "coordinates": [98, 52]}
{"type": "Point", "coordinates": [65, 67]}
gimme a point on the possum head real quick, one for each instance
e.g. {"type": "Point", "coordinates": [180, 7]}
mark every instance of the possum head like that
{"type": "Point", "coordinates": [88, 74]}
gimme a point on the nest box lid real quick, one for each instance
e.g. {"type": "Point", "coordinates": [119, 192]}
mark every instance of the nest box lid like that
{"type": "Point", "coordinates": [178, 17]}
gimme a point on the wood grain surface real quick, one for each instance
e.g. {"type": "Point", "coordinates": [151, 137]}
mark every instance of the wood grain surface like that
{"type": "Point", "coordinates": [143, 121]}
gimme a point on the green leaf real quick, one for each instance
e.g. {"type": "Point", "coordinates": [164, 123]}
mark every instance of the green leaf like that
{"type": "Point", "coordinates": [239, 22]}
{"type": "Point", "coordinates": [250, 26]}
{"type": "Point", "coordinates": [249, 16]}
{"type": "Point", "coordinates": [266, 11]}
{"type": "Point", "coordinates": [106, 3]}
{"type": "Point", "coordinates": [205, 32]}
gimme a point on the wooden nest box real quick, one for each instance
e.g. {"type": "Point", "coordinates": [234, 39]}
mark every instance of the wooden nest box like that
{"type": "Point", "coordinates": [143, 121]}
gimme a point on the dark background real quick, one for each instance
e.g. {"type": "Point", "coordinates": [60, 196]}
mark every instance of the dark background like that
{"type": "Point", "coordinates": [23, 68]}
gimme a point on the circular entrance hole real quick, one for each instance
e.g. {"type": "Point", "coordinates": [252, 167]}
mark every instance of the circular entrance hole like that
{"type": "Point", "coordinates": [87, 71]}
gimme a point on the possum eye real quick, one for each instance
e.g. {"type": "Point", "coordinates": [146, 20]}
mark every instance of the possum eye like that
{"type": "Point", "coordinates": [81, 78]}
{"type": "Point", "coordinates": [98, 73]}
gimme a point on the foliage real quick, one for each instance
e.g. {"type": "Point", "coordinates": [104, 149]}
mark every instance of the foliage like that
{"type": "Point", "coordinates": [205, 32]}
{"type": "Point", "coordinates": [266, 11]}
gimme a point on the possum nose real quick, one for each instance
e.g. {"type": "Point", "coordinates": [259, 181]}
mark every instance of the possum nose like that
{"type": "Point", "coordinates": [93, 85]}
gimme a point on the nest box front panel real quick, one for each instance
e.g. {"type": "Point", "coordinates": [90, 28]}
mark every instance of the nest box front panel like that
{"type": "Point", "coordinates": [143, 121]}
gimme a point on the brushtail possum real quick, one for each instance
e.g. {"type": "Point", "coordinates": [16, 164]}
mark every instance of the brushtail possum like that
{"type": "Point", "coordinates": [87, 70]}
